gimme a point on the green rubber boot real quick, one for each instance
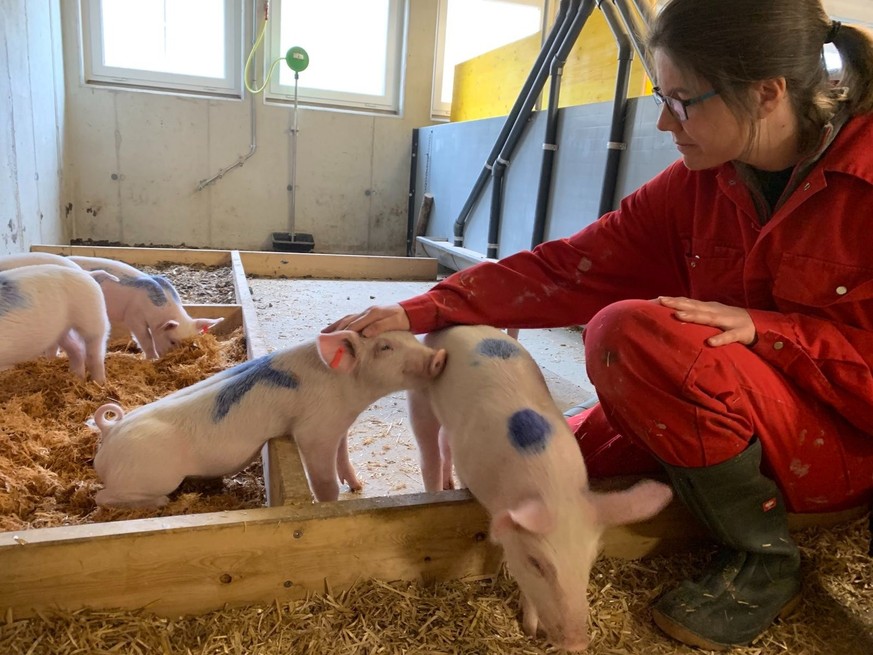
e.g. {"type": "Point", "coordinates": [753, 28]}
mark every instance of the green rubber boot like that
{"type": "Point", "coordinates": [755, 578]}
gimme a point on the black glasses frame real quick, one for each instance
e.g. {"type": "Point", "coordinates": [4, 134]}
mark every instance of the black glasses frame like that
{"type": "Point", "coordinates": [678, 107]}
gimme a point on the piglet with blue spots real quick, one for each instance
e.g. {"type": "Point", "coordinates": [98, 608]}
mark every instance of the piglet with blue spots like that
{"type": "Point", "coordinates": [313, 391]}
{"type": "Point", "coordinates": [491, 414]}
{"type": "Point", "coordinates": [44, 306]}
{"type": "Point", "coordinates": [147, 305]}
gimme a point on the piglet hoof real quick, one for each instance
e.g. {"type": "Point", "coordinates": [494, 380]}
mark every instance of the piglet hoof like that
{"type": "Point", "coordinates": [355, 485]}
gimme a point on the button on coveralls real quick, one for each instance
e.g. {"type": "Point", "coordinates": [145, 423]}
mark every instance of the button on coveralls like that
{"type": "Point", "coordinates": [804, 389]}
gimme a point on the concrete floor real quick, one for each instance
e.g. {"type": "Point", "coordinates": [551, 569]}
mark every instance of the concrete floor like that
{"type": "Point", "coordinates": [381, 444]}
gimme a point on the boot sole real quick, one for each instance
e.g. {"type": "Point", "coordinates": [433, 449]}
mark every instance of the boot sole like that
{"type": "Point", "coordinates": [680, 633]}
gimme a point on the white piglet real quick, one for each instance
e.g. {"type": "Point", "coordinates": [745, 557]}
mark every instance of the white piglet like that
{"type": "Point", "coordinates": [8, 262]}
{"type": "Point", "coordinates": [74, 348]}
{"type": "Point", "coordinates": [314, 391]}
{"type": "Point", "coordinates": [46, 305]}
{"type": "Point", "coordinates": [148, 305]}
{"type": "Point", "coordinates": [491, 412]}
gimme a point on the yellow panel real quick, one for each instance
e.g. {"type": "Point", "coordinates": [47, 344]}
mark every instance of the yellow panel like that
{"type": "Point", "coordinates": [489, 85]}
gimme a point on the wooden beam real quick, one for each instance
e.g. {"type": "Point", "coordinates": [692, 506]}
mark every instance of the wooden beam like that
{"type": "Point", "coordinates": [144, 256]}
{"type": "Point", "coordinates": [343, 267]}
{"type": "Point", "coordinates": [286, 481]}
{"type": "Point", "coordinates": [256, 345]}
{"type": "Point", "coordinates": [193, 564]}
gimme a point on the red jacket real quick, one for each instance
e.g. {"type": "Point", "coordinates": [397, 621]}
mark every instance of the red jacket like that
{"type": "Point", "coordinates": [806, 276]}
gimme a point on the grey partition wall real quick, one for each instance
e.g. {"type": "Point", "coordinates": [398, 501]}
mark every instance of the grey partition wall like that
{"type": "Point", "coordinates": [450, 157]}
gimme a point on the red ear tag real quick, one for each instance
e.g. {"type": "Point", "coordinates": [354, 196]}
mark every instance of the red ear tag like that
{"type": "Point", "coordinates": [336, 358]}
{"type": "Point", "coordinates": [204, 329]}
{"type": "Point", "coordinates": [769, 504]}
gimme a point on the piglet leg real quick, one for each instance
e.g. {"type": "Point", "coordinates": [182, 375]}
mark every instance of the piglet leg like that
{"type": "Point", "coordinates": [426, 428]}
{"type": "Point", "coordinates": [71, 344]}
{"type": "Point", "coordinates": [344, 468]}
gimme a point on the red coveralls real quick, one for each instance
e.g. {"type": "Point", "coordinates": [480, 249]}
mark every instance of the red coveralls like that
{"type": "Point", "coordinates": [805, 388]}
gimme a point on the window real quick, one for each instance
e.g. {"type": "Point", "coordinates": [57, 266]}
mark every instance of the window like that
{"type": "Point", "coordinates": [180, 45]}
{"type": "Point", "coordinates": [355, 50]}
{"type": "Point", "coordinates": [469, 28]}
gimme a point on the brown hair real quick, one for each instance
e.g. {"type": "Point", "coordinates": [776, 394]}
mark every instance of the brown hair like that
{"type": "Point", "coordinates": [732, 44]}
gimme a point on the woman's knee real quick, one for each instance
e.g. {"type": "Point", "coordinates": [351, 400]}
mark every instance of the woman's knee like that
{"type": "Point", "coordinates": [639, 338]}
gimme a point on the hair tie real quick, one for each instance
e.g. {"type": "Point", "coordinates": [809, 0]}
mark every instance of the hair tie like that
{"type": "Point", "coordinates": [832, 33]}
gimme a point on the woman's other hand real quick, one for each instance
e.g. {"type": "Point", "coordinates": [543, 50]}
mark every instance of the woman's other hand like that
{"type": "Point", "coordinates": [735, 323]}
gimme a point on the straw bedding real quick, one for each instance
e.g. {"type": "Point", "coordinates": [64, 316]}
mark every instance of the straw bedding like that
{"type": "Point", "coordinates": [46, 448]}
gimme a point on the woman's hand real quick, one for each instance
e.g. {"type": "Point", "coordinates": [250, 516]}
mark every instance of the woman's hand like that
{"type": "Point", "coordinates": [373, 320]}
{"type": "Point", "coordinates": [735, 322]}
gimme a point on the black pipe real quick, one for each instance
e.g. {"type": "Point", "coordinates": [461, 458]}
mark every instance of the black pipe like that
{"type": "Point", "coordinates": [632, 28]}
{"type": "Point", "coordinates": [616, 143]}
{"type": "Point", "coordinates": [530, 90]}
{"type": "Point", "coordinates": [582, 13]}
{"type": "Point", "coordinates": [550, 145]}
{"type": "Point", "coordinates": [410, 208]}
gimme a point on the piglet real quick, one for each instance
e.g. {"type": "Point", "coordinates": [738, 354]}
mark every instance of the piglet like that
{"type": "Point", "coordinates": [74, 347]}
{"type": "Point", "coordinates": [45, 305]}
{"type": "Point", "coordinates": [313, 391]}
{"type": "Point", "coordinates": [8, 262]}
{"type": "Point", "coordinates": [491, 412]}
{"type": "Point", "coordinates": [148, 305]}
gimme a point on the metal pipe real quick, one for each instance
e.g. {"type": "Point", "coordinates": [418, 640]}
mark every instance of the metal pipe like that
{"type": "Point", "coordinates": [635, 32]}
{"type": "Point", "coordinates": [530, 90]}
{"type": "Point", "coordinates": [550, 139]}
{"type": "Point", "coordinates": [253, 140]}
{"type": "Point", "coordinates": [563, 48]}
{"type": "Point", "coordinates": [616, 145]}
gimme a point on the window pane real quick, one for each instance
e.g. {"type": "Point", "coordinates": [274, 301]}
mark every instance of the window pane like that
{"type": "Point", "coordinates": [346, 40]}
{"type": "Point", "coordinates": [184, 37]}
{"type": "Point", "coordinates": [474, 27]}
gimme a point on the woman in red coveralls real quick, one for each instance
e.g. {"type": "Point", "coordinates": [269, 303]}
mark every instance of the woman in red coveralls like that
{"type": "Point", "coordinates": [728, 302]}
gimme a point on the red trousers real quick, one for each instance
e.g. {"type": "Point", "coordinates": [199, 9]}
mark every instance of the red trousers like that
{"type": "Point", "coordinates": [666, 395]}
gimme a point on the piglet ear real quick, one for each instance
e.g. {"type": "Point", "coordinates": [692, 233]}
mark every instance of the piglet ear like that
{"type": "Point", "coordinates": [102, 276]}
{"type": "Point", "coordinates": [338, 350]}
{"type": "Point", "coordinates": [640, 502]}
{"type": "Point", "coordinates": [531, 515]}
{"type": "Point", "coordinates": [202, 325]}
{"type": "Point", "coordinates": [169, 325]}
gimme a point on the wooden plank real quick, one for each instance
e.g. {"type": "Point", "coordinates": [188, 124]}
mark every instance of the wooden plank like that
{"type": "Point", "coordinates": [182, 565]}
{"type": "Point", "coordinates": [286, 481]}
{"type": "Point", "coordinates": [143, 256]}
{"type": "Point", "coordinates": [344, 267]}
{"type": "Point", "coordinates": [255, 342]}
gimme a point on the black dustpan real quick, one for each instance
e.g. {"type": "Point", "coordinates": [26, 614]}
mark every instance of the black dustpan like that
{"type": "Point", "coordinates": [293, 242]}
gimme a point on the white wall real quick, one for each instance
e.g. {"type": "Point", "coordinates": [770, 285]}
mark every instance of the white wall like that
{"type": "Point", "coordinates": [136, 159]}
{"type": "Point", "coordinates": [31, 125]}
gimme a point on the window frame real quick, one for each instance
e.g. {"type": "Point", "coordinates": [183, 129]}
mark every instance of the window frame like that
{"type": "Point", "coordinates": [440, 110]}
{"type": "Point", "coordinates": [96, 73]}
{"type": "Point", "coordinates": [391, 102]}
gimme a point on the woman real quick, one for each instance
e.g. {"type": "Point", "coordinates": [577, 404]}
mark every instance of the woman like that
{"type": "Point", "coordinates": [748, 377]}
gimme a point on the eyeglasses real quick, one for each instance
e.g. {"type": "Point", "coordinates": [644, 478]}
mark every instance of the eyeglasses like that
{"type": "Point", "coordinates": [679, 108]}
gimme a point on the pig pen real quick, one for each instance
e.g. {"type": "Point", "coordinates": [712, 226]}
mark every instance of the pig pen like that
{"type": "Point", "coordinates": [382, 571]}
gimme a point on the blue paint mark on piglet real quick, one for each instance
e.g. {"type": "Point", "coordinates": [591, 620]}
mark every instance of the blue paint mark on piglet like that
{"type": "Point", "coordinates": [11, 297]}
{"type": "Point", "coordinates": [152, 288]}
{"type": "Point", "coordinates": [243, 377]}
{"type": "Point", "coordinates": [529, 431]}
{"type": "Point", "coordinates": [167, 286]}
{"type": "Point", "coordinates": [497, 348]}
